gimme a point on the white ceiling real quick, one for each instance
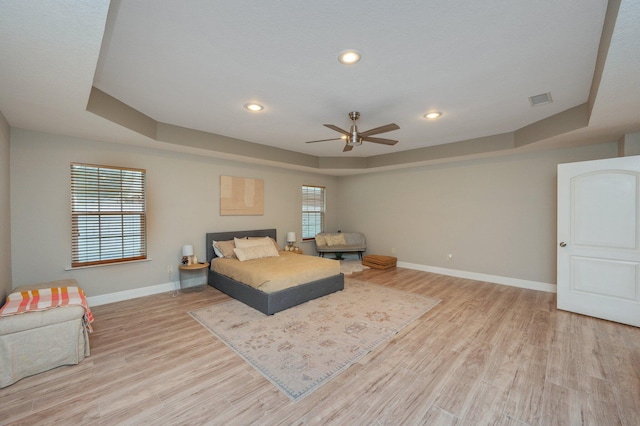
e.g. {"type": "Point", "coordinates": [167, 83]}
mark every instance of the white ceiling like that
{"type": "Point", "coordinates": [195, 64]}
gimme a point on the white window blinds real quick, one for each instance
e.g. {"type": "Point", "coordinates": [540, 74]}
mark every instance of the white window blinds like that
{"type": "Point", "coordinates": [108, 215]}
{"type": "Point", "coordinates": [313, 207]}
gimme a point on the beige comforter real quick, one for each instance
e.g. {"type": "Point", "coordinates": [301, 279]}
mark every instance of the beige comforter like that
{"type": "Point", "coordinates": [271, 274]}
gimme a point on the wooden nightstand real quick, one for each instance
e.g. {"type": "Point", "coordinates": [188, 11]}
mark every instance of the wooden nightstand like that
{"type": "Point", "coordinates": [190, 274]}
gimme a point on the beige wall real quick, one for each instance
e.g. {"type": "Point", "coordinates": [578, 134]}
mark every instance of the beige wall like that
{"type": "Point", "coordinates": [183, 204]}
{"type": "Point", "coordinates": [497, 216]}
{"type": "Point", "coordinates": [5, 211]}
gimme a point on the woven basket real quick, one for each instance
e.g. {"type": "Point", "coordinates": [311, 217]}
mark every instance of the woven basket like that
{"type": "Point", "coordinates": [379, 262]}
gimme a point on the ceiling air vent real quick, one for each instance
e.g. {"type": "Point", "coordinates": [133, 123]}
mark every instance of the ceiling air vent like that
{"type": "Point", "coordinates": [544, 98]}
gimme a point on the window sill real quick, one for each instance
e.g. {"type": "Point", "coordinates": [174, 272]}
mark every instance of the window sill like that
{"type": "Point", "coordinates": [70, 268]}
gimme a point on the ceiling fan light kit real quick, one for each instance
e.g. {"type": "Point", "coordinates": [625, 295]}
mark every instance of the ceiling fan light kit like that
{"type": "Point", "coordinates": [353, 137]}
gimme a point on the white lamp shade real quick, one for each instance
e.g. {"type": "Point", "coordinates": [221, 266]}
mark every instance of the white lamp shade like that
{"type": "Point", "coordinates": [187, 250]}
{"type": "Point", "coordinates": [291, 237]}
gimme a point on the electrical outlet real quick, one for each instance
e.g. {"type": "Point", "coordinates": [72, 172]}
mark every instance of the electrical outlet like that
{"type": "Point", "coordinates": [170, 269]}
{"type": "Point", "coordinates": [393, 250]}
{"type": "Point", "coordinates": [450, 256]}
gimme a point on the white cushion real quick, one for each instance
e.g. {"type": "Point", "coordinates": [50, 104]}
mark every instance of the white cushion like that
{"type": "Point", "coordinates": [321, 240]}
{"type": "Point", "coordinates": [335, 240]}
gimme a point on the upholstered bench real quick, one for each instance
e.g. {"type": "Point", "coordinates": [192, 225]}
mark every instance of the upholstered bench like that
{"type": "Point", "coordinates": [377, 261]}
{"type": "Point", "coordinates": [37, 341]}
{"type": "Point", "coordinates": [340, 242]}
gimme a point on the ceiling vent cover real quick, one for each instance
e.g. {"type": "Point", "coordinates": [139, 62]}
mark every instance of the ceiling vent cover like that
{"type": "Point", "coordinates": [544, 98]}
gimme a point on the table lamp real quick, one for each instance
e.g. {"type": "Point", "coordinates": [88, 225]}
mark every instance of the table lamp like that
{"type": "Point", "coordinates": [291, 239]}
{"type": "Point", "coordinates": [187, 254]}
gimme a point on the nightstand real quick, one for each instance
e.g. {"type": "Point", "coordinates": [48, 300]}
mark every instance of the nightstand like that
{"type": "Point", "coordinates": [297, 251]}
{"type": "Point", "coordinates": [191, 278]}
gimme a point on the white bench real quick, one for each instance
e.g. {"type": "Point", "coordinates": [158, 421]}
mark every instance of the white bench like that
{"type": "Point", "coordinates": [33, 342]}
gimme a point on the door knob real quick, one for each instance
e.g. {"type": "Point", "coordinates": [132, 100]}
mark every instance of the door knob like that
{"type": "Point", "coordinates": [563, 244]}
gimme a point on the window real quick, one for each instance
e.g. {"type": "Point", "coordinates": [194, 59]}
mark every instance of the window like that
{"type": "Point", "coordinates": [108, 215]}
{"type": "Point", "coordinates": [312, 211]}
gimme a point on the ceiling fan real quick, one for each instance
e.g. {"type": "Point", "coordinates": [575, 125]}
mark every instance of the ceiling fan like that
{"type": "Point", "coordinates": [353, 137]}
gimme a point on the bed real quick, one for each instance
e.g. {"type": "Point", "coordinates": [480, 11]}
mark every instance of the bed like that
{"type": "Point", "coordinates": [267, 302]}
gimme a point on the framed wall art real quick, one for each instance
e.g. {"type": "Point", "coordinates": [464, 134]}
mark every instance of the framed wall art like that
{"type": "Point", "coordinates": [241, 196]}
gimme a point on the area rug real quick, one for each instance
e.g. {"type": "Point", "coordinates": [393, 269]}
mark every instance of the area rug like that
{"type": "Point", "coordinates": [302, 348]}
{"type": "Point", "coordinates": [348, 267]}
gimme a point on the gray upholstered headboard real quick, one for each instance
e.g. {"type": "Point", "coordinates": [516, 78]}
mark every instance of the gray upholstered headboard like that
{"type": "Point", "coordinates": [224, 236]}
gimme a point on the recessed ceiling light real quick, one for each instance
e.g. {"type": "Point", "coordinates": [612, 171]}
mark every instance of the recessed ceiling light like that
{"type": "Point", "coordinates": [254, 107]}
{"type": "Point", "coordinates": [432, 115]}
{"type": "Point", "coordinates": [349, 57]}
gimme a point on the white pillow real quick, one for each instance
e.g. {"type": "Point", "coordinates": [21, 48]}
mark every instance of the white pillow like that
{"type": "Point", "coordinates": [245, 242]}
{"type": "Point", "coordinates": [255, 252]}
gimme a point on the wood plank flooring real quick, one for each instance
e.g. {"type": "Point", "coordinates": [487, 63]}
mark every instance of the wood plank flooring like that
{"type": "Point", "coordinates": [487, 354]}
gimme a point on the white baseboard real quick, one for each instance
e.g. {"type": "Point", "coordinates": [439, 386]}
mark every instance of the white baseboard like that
{"type": "Point", "coordinates": [132, 294]}
{"type": "Point", "coordinates": [513, 282]}
{"type": "Point", "coordinates": [172, 286]}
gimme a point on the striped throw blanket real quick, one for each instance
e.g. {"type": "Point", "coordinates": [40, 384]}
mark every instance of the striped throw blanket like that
{"type": "Point", "coordinates": [47, 298]}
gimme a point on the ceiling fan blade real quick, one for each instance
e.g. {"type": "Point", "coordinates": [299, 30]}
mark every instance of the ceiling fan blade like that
{"type": "Point", "coordinates": [380, 140]}
{"type": "Point", "coordinates": [337, 129]}
{"type": "Point", "coordinates": [347, 147]}
{"type": "Point", "coordinates": [381, 129]}
{"type": "Point", "coordinates": [324, 140]}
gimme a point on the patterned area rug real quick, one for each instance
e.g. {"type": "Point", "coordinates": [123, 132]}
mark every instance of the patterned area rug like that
{"type": "Point", "coordinates": [303, 347]}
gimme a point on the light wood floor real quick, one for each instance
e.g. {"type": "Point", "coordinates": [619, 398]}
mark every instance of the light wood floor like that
{"type": "Point", "coordinates": [487, 354]}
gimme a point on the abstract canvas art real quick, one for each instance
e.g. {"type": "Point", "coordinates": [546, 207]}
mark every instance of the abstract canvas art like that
{"type": "Point", "coordinates": [241, 196]}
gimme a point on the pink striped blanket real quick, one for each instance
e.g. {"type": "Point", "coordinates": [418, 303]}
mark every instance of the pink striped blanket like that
{"type": "Point", "coordinates": [47, 298]}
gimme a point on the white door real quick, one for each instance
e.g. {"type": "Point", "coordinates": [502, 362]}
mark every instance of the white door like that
{"type": "Point", "coordinates": [599, 239]}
